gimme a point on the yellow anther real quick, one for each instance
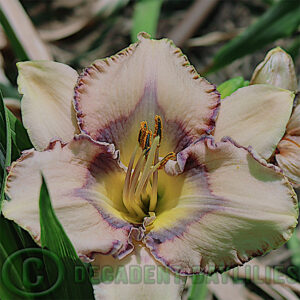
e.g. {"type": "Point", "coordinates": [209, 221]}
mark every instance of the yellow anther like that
{"type": "Point", "coordinates": [144, 125]}
{"type": "Point", "coordinates": [158, 128]}
{"type": "Point", "coordinates": [169, 156]}
{"type": "Point", "coordinates": [143, 133]}
{"type": "Point", "coordinates": [147, 140]}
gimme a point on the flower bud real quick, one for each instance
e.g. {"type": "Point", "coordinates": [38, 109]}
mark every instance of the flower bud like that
{"type": "Point", "coordinates": [277, 69]}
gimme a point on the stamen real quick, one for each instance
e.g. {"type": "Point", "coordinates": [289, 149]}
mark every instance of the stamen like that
{"type": "Point", "coordinates": [139, 193]}
{"type": "Point", "coordinates": [158, 128]}
{"type": "Point", "coordinates": [147, 168]}
{"type": "Point", "coordinates": [133, 207]}
{"type": "Point", "coordinates": [169, 156]}
{"type": "Point", "coordinates": [153, 199]}
{"type": "Point", "coordinates": [147, 143]}
{"type": "Point", "coordinates": [142, 134]}
{"type": "Point", "coordinates": [127, 182]}
{"type": "Point", "coordinates": [138, 209]}
{"type": "Point", "coordinates": [134, 179]}
{"type": "Point", "coordinates": [136, 173]}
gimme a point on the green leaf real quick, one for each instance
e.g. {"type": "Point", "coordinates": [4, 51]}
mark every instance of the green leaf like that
{"type": "Point", "coordinates": [281, 20]}
{"type": "Point", "coordinates": [5, 146]}
{"type": "Point", "coordinates": [15, 135]}
{"type": "Point", "coordinates": [12, 239]}
{"type": "Point", "coordinates": [19, 136]}
{"type": "Point", "coordinates": [55, 239]}
{"type": "Point", "coordinates": [198, 289]}
{"type": "Point", "coordinates": [9, 91]}
{"type": "Point", "coordinates": [145, 17]}
{"type": "Point", "coordinates": [231, 85]}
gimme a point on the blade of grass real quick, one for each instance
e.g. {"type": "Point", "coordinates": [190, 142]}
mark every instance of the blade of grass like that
{"type": "Point", "coordinates": [21, 33]}
{"type": "Point", "coordinates": [54, 238]}
{"type": "Point", "coordinates": [281, 20]}
{"type": "Point", "coordinates": [145, 17]}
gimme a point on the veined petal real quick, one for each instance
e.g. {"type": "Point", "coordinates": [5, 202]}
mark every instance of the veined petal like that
{"type": "Point", "coordinates": [232, 207]}
{"type": "Point", "coordinates": [277, 69]}
{"type": "Point", "coordinates": [80, 177]}
{"type": "Point", "coordinates": [255, 116]}
{"type": "Point", "coordinates": [47, 109]}
{"type": "Point", "coordinates": [288, 158]}
{"type": "Point", "coordinates": [151, 77]}
{"type": "Point", "coordinates": [138, 276]}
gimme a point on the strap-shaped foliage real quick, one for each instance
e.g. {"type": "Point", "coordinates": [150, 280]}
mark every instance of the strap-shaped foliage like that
{"type": "Point", "coordinates": [54, 238]}
{"type": "Point", "coordinates": [281, 20]}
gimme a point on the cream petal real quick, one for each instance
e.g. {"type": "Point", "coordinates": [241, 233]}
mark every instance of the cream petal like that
{"type": "Point", "coordinates": [47, 109]}
{"type": "Point", "coordinates": [79, 177]}
{"type": "Point", "coordinates": [288, 158]}
{"type": "Point", "coordinates": [277, 69]}
{"type": "Point", "coordinates": [138, 276]}
{"type": "Point", "coordinates": [232, 207]}
{"type": "Point", "coordinates": [255, 116]}
{"type": "Point", "coordinates": [151, 77]}
{"type": "Point", "coordinates": [293, 127]}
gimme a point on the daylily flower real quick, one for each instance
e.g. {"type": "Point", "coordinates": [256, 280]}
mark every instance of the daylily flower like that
{"type": "Point", "coordinates": [143, 182]}
{"type": "Point", "coordinates": [278, 70]}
